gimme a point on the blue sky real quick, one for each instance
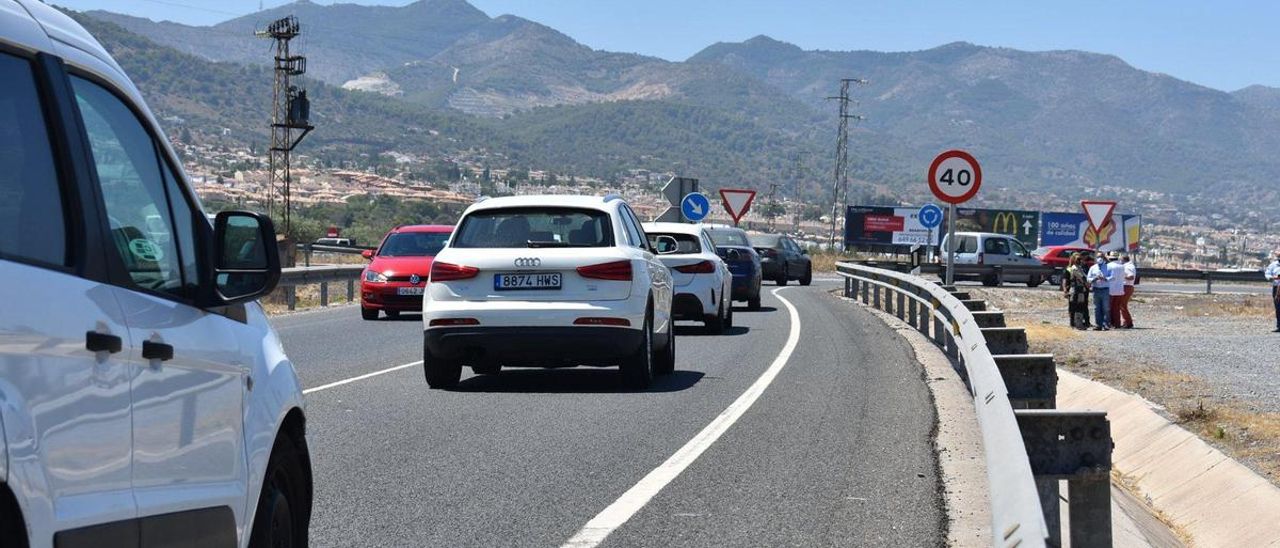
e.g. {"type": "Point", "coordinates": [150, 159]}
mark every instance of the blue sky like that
{"type": "Point", "coordinates": [1223, 44]}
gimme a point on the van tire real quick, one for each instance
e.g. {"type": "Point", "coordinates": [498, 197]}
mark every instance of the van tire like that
{"type": "Point", "coordinates": [1034, 281]}
{"type": "Point", "coordinates": [13, 530]}
{"type": "Point", "coordinates": [283, 515]}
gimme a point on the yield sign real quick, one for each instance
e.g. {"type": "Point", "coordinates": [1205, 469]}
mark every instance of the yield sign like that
{"type": "Point", "coordinates": [737, 201]}
{"type": "Point", "coordinates": [1098, 212]}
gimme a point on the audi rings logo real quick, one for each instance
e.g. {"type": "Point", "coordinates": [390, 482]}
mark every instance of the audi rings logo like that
{"type": "Point", "coordinates": [528, 261]}
{"type": "Point", "coordinates": [414, 279]}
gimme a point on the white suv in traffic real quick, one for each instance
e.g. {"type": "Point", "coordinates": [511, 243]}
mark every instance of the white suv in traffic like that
{"type": "Point", "coordinates": [144, 399]}
{"type": "Point", "coordinates": [703, 283]}
{"type": "Point", "coordinates": [548, 281]}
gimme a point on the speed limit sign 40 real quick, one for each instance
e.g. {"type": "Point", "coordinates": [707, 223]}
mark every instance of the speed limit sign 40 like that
{"type": "Point", "coordinates": [954, 177]}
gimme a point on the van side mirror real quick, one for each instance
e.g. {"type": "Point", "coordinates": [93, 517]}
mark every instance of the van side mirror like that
{"type": "Point", "coordinates": [247, 260]}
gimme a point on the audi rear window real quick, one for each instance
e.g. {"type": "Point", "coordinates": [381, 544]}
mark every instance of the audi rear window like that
{"type": "Point", "coordinates": [535, 227]}
{"type": "Point", "coordinates": [728, 236]}
{"type": "Point", "coordinates": [765, 240]}
{"type": "Point", "coordinates": [413, 244]}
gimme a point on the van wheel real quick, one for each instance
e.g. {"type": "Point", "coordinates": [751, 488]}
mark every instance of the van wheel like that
{"type": "Point", "coordinates": [284, 509]}
{"type": "Point", "coordinates": [369, 314]}
{"type": "Point", "coordinates": [1034, 281]}
{"type": "Point", "coordinates": [637, 369]}
{"type": "Point", "coordinates": [440, 373]}
{"type": "Point", "coordinates": [13, 530]}
{"type": "Point", "coordinates": [990, 281]}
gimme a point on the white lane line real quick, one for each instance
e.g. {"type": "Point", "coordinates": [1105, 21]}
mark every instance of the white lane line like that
{"type": "Point", "coordinates": [361, 377]}
{"type": "Point", "coordinates": [616, 514]}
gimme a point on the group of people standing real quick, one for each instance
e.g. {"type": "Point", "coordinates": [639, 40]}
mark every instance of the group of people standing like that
{"type": "Point", "coordinates": [1110, 279]}
{"type": "Point", "coordinates": [1273, 275]}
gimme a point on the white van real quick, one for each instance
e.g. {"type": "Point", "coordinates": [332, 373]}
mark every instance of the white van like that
{"type": "Point", "coordinates": [989, 248]}
{"type": "Point", "coordinates": [144, 399]}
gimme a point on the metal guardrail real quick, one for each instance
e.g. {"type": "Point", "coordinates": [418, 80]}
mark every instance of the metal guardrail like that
{"type": "Point", "coordinates": [999, 272]}
{"type": "Point", "coordinates": [309, 249]}
{"type": "Point", "coordinates": [290, 278]}
{"type": "Point", "coordinates": [1027, 451]}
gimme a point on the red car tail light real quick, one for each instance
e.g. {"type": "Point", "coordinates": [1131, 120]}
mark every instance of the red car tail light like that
{"type": "Point", "coordinates": [443, 272]}
{"type": "Point", "coordinates": [617, 271]}
{"type": "Point", "coordinates": [623, 322]}
{"type": "Point", "coordinates": [700, 267]}
{"type": "Point", "coordinates": [450, 322]}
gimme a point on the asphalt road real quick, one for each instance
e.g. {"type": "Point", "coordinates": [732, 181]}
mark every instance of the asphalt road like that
{"type": "Point", "coordinates": [836, 450]}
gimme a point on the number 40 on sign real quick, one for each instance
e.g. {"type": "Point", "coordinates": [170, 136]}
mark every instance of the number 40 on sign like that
{"type": "Point", "coordinates": [954, 177]}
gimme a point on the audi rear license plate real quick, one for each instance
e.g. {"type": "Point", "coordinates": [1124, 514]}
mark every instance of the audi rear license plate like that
{"type": "Point", "coordinates": [409, 290]}
{"type": "Point", "coordinates": [503, 282]}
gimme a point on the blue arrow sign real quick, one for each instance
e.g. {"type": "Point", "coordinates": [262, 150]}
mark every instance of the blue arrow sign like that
{"type": "Point", "coordinates": [930, 216]}
{"type": "Point", "coordinates": [695, 206]}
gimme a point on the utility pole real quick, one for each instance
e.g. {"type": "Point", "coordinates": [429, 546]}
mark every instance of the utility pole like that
{"type": "Point", "coordinates": [773, 204]}
{"type": "Point", "coordinates": [290, 110]}
{"type": "Point", "coordinates": [797, 177]}
{"type": "Point", "coordinates": [841, 183]}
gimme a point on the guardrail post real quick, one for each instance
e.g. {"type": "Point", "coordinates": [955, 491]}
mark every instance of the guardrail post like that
{"type": "Point", "coordinates": [351, 291]}
{"type": "Point", "coordinates": [1075, 446]}
{"type": "Point", "coordinates": [306, 254]}
{"type": "Point", "coordinates": [291, 297]}
{"type": "Point", "coordinates": [913, 313]}
{"type": "Point", "coordinates": [1208, 284]}
{"type": "Point", "coordinates": [901, 307]}
{"type": "Point", "coordinates": [876, 290]}
{"type": "Point", "coordinates": [324, 293]}
{"type": "Point", "coordinates": [866, 288]}
{"type": "Point", "coordinates": [1050, 490]}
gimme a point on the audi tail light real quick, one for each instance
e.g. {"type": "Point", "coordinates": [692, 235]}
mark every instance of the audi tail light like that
{"type": "Point", "coordinates": [700, 267]}
{"type": "Point", "coordinates": [443, 272]}
{"type": "Point", "coordinates": [616, 271]}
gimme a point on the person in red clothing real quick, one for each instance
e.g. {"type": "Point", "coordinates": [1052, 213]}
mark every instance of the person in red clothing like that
{"type": "Point", "coordinates": [1116, 285]}
{"type": "Point", "coordinates": [1130, 278]}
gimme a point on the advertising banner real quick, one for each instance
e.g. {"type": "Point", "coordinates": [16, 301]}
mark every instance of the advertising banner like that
{"type": "Point", "coordinates": [1123, 233]}
{"type": "Point", "coordinates": [886, 226]}
{"type": "Point", "coordinates": [1023, 225]}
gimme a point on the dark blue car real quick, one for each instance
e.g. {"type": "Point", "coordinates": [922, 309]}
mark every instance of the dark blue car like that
{"type": "Point", "coordinates": [744, 263]}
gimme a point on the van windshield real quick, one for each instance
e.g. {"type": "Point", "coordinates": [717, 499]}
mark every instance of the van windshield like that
{"type": "Point", "coordinates": [535, 227]}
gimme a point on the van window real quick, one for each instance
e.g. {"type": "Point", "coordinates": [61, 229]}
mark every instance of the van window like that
{"type": "Point", "coordinates": [1019, 249]}
{"type": "Point", "coordinates": [32, 225]}
{"type": "Point", "coordinates": [968, 244]}
{"type": "Point", "coordinates": [996, 246]}
{"type": "Point", "coordinates": [138, 189]}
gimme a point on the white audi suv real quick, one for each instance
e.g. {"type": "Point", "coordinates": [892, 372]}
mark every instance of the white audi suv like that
{"type": "Point", "coordinates": [548, 281]}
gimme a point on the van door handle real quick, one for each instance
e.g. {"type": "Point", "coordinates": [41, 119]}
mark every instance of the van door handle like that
{"type": "Point", "coordinates": [157, 351]}
{"type": "Point", "coordinates": [102, 342]}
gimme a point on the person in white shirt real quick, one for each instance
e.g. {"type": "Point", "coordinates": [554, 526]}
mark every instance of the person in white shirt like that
{"type": "Point", "coordinates": [1273, 274]}
{"type": "Point", "coordinates": [1130, 278]}
{"type": "Point", "coordinates": [1099, 278]}
{"type": "Point", "coordinates": [1115, 286]}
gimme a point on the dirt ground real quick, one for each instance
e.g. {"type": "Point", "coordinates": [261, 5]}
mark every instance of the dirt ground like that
{"type": "Point", "coordinates": [1210, 361]}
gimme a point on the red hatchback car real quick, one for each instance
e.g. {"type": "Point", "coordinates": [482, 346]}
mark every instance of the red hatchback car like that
{"type": "Point", "coordinates": [398, 269]}
{"type": "Point", "coordinates": [1058, 255]}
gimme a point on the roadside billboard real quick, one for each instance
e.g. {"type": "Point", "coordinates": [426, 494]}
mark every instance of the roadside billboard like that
{"type": "Point", "coordinates": [879, 226]}
{"type": "Point", "coordinates": [1023, 225]}
{"type": "Point", "coordinates": [1123, 233]}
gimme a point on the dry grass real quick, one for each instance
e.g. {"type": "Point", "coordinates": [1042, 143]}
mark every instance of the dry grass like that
{"type": "Point", "coordinates": [1233, 306]}
{"type": "Point", "coordinates": [826, 262]}
{"type": "Point", "coordinates": [308, 296]}
{"type": "Point", "coordinates": [1250, 436]}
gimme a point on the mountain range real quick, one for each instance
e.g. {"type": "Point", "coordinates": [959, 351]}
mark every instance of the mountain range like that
{"type": "Point", "coordinates": [736, 112]}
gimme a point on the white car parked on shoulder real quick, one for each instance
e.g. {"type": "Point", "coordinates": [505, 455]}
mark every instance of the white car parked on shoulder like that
{"type": "Point", "coordinates": [144, 398]}
{"type": "Point", "coordinates": [703, 284]}
{"type": "Point", "coordinates": [548, 281]}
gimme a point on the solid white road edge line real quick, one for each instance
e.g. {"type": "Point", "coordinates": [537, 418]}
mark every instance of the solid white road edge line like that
{"type": "Point", "coordinates": [361, 377]}
{"type": "Point", "coordinates": [616, 514]}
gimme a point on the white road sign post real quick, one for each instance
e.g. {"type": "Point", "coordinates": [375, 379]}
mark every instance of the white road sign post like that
{"type": "Point", "coordinates": [954, 177]}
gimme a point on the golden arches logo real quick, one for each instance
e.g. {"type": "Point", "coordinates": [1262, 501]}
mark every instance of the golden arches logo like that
{"type": "Point", "coordinates": [1005, 222]}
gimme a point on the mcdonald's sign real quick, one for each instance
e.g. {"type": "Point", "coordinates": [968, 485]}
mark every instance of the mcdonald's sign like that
{"type": "Point", "coordinates": [1023, 225]}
